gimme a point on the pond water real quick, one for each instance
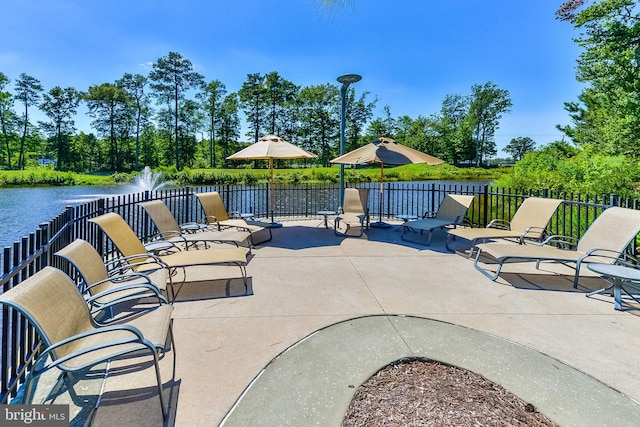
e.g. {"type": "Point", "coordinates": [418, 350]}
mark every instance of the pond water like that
{"type": "Point", "coordinates": [23, 209]}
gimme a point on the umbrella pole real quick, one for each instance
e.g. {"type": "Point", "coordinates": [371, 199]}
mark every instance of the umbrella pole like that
{"type": "Point", "coordinates": [380, 224]}
{"type": "Point", "coordinates": [273, 194]}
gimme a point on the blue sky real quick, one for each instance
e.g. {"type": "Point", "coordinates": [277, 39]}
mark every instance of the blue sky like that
{"type": "Point", "coordinates": [411, 54]}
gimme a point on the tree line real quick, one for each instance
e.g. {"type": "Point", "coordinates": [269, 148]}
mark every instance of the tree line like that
{"type": "Point", "coordinates": [174, 117]}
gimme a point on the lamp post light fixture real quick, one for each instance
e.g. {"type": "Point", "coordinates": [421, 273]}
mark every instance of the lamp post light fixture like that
{"type": "Point", "coordinates": [346, 80]}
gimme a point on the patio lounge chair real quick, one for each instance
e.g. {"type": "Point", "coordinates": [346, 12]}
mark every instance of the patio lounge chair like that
{"type": "Point", "coordinates": [528, 222]}
{"type": "Point", "coordinates": [190, 235]}
{"type": "Point", "coordinates": [103, 288]}
{"type": "Point", "coordinates": [216, 214]}
{"type": "Point", "coordinates": [603, 242]}
{"type": "Point", "coordinates": [124, 238]}
{"type": "Point", "coordinates": [451, 213]}
{"type": "Point", "coordinates": [73, 340]}
{"type": "Point", "coordinates": [355, 212]}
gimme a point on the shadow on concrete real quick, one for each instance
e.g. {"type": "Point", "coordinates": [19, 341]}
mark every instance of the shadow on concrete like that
{"type": "Point", "coordinates": [213, 289]}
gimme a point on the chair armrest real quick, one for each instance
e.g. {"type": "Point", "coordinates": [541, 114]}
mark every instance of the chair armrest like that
{"type": "Point", "coordinates": [603, 253]}
{"type": "Point", "coordinates": [211, 219]}
{"type": "Point", "coordinates": [500, 224]}
{"type": "Point", "coordinates": [125, 262]}
{"type": "Point", "coordinates": [462, 220]}
{"type": "Point", "coordinates": [142, 290]}
{"type": "Point", "coordinates": [166, 235]}
{"type": "Point", "coordinates": [629, 261]}
{"type": "Point", "coordinates": [563, 242]}
{"type": "Point", "coordinates": [124, 278]}
{"type": "Point", "coordinates": [540, 233]}
{"type": "Point", "coordinates": [136, 337]}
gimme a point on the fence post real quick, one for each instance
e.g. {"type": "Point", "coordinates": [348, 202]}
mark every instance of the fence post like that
{"type": "Point", "coordinates": [613, 200]}
{"type": "Point", "coordinates": [44, 242]}
{"type": "Point", "coordinates": [485, 207]}
{"type": "Point", "coordinates": [71, 222]}
{"type": "Point", "coordinates": [186, 206]}
{"type": "Point", "coordinates": [432, 208]}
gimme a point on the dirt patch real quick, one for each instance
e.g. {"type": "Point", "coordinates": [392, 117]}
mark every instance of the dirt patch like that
{"type": "Point", "coordinates": [428, 393]}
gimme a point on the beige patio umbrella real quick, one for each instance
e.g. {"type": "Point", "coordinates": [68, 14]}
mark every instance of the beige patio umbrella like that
{"type": "Point", "coordinates": [271, 147]}
{"type": "Point", "coordinates": [385, 150]}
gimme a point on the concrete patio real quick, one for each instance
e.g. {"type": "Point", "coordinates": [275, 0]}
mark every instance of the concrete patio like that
{"type": "Point", "coordinates": [574, 358]}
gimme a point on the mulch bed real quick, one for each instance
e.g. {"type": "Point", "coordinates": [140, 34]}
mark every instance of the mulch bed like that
{"type": "Point", "coordinates": [427, 393]}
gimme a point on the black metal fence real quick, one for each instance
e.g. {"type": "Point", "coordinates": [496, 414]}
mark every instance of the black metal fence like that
{"type": "Point", "coordinates": [20, 343]}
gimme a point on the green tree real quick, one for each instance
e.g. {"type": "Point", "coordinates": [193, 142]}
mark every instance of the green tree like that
{"type": "Point", "coordinates": [88, 154]}
{"type": "Point", "coordinates": [607, 113]}
{"type": "Point", "coordinates": [191, 120]}
{"type": "Point", "coordinates": [253, 102]}
{"type": "Point", "coordinates": [519, 146]}
{"type": "Point", "coordinates": [358, 113]}
{"type": "Point", "coordinates": [279, 96]}
{"type": "Point", "coordinates": [28, 91]}
{"type": "Point", "coordinates": [229, 124]}
{"type": "Point", "coordinates": [320, 120]}
{"type": "Point", "coordinates": [60, 106]}
{"type": "Point", "coordinates": [212, 98]}
{"type": "Point", "coordinates": [418, 134]}
{"type": "Point", "coordinates": [488, 103]}
{"type": "Point", "coordinates": [173, 75]}
{"type": "Point", "coordinates": [375, 129]}
{"type": "Point", "coordinates": [110, 106]}
{"type": "Point", "coordinates": [8, 120]}
{"type": "Point", "coordinates": [382, 126]}
{"type": "Point", "coordinates": [135, 84]}
{"type": "Point", "coordinates": [454, 129]}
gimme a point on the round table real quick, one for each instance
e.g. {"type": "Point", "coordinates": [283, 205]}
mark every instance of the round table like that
{"type": "Point", "coordinates": [326, 214]}
{"type": "Point", "coordinates": [191, 227]}
{"type": "Point", "coordinates": [158, 246]}
{"type": "Point", "coordinates": [619, 274]}
{"type": "Point", "coordinates": [406, 218]}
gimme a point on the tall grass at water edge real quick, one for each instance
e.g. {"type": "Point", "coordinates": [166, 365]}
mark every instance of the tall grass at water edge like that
{"type": "Point", "coordinates": [250, 176]}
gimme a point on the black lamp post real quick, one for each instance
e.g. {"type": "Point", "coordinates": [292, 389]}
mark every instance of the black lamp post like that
{"type": "Point", "coordinates": [346, 80]}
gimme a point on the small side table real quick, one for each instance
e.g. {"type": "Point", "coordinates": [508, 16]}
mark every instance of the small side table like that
{"type": "Point", "coordinates": [619, 274]}
{"type": "Point", "coordinates": [326, 214]}
{"type": "Point", "coordinates": [192, 227]}
{"type": "Point", "coordinates": [158, 246]}
{"type": "Point", "coordinates": [406, 218]}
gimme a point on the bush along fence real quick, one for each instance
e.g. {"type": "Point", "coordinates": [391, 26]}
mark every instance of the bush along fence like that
{"type": "Point", "coordinates": [21, 345]}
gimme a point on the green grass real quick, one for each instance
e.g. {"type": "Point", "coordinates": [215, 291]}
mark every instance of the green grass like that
{"type": "Point", "coordinates": [368, 173]}
{"type": "Point", "coordinates": [49, 177]}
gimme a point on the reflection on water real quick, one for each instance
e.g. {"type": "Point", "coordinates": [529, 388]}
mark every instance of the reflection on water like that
{"type": "Point", "coordinates": [23, 209]}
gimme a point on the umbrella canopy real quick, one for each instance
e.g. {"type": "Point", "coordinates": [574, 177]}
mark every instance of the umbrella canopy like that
{"type": "Point", "coordinates": [271, 147]}
{"type": "Point", "coordinates": [385, 150]}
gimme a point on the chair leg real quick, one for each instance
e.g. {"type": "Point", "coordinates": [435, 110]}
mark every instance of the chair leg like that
{"type": "Point", "coordinates": [577, 275]}
{"type": "Point", "coordinates": [243, 271]}
{"type": "Point", "coordinates": [492, 277]}
{"type": "Point", "coordinates": [163, 406]}
{"type": "Point", "coordinates": [28, 390]}
{"type": "Point", "coordinates": [429, 237]}
{"type": "Point", "coordinates": [446, 242]}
